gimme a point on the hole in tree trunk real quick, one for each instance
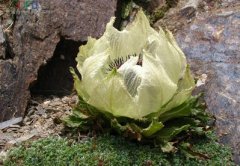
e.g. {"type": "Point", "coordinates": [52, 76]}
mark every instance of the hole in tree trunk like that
{"type": "Point", "coordinates": [54, 78]}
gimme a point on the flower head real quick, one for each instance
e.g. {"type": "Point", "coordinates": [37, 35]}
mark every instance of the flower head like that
{"type": "Point", "coordinates": [134, 72]}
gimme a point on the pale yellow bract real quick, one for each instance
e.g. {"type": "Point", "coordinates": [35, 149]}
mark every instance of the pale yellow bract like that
{"type": "Point", "coordinates": [134, 72]}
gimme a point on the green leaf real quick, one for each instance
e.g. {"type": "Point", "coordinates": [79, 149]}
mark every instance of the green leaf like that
{"type": "Point", "coordinates": [73, 121]}
{"type": "Point", "coordinates": [152, 128]}
{"type": "Point", "coordinates": [184, 109]}
{"type": "Point", "coordinates": [190, 153]}
{"type": "Point", "coordinates": [117, 126]}
{"type": "Point", "coordinates": [168, 133]}
{"type": "Point", "coordinates": [168, 147]}
{"type": "Point", "coordinates": [79, 114]}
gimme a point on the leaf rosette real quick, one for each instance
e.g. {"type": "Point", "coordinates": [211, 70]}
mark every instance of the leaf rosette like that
{"type": "Point", "coordinates": [135, 81]}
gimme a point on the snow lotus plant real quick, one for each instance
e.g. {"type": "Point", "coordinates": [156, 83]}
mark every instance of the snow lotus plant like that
{"type": "Point", "coordinates": [135, 81]}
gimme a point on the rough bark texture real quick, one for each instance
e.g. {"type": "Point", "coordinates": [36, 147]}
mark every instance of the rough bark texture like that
{"type": "Point", "coordinates": [210, 38]}
{"type": "Point", "coordinates": [35, 36]}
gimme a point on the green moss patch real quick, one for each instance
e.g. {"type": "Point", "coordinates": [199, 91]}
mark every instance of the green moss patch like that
{"type": "Point", "coordinates": [112, 150]}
